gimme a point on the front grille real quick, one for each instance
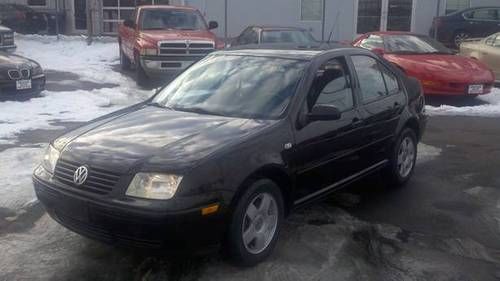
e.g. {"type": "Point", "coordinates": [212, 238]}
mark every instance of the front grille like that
{"type": "Point", "coordinates": [16, 74]}
{"type": "Point", "coordinates": [99, 181]}
{"type": "Point", "coordinates": [6, 39]}
{"type": "Point", "coordinates": [196, 48]}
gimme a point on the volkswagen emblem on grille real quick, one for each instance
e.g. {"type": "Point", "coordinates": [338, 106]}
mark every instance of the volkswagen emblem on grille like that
{"type": "Point", "coordinates": [80, 175]}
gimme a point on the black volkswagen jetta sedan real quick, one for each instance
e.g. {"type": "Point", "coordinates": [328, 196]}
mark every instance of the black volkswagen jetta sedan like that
{"type": "Point", "coordinates": [230, 147]}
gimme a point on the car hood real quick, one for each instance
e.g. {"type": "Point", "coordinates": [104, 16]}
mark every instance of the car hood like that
{"type": "Point", "coordinates": [160, 35]}
{"type": "Point", "coordinates": [10, 60]}
{"type": "Point", "coordinates": [155, 137]}
{"type": "Point", "coordinates": [437, 62]}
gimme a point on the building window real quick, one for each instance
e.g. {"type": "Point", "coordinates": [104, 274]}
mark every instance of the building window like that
{"type": "Point", "coordinates": [116, 11]}
{"type": "Point", "coordinates": [37, 2]}
{"type": "Point", "coordinates": [456, 5]}
{"type": "Point", "coordinates": [311, 10]}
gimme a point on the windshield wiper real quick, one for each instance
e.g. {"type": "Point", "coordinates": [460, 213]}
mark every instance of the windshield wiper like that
{"type": "Point", "coordinates": [198, 110]}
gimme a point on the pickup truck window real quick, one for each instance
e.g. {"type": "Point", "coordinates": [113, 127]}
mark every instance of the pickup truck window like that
{"type": "Point", "coordinates": [235, 86]}
{"type": "Point", "coordinates": [171, 19]}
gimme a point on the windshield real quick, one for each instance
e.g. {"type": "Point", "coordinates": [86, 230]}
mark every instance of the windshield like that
{"type": "Point", "coordinates": [414, 44]}
{"type": "Point", "coordinates": [171, 19]}
{"type": "Point", "coordinates": [287, 36]}
{"type": "Point", "coordinates": [235, 86]}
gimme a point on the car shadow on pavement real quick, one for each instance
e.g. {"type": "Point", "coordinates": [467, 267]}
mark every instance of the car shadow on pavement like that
{"type": "Point", "coordinates": [457, 101]}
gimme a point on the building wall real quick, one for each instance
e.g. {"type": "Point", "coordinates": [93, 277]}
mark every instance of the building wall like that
{"type": "Point", "coordinates": [339, 14]}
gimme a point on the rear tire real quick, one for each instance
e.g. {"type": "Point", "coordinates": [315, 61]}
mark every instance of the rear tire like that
{"type": "Point", "coordinates": [459, 37]}
{"type": "Point", "coordinates": [255, 223]}
{"type": "Point", "coordinates": [403, 158]}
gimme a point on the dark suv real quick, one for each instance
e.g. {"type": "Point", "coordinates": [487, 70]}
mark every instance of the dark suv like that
{"type": "Point", "coordinates": [476, 22]}
{"type": "Point", "coordinates": [230, 147]}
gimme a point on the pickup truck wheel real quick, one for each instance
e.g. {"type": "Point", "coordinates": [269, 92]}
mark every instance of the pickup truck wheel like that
{"type": "Point", "coordinates": [403, 158]}
{"type": "Point", "coordinates": [141, 78]}
{"type": "Point", "coordinates": [256, 223]}
{"type": "Point", "coordinates": [124, 60]}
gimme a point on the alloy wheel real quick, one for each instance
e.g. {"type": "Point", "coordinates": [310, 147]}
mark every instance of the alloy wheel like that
{"type": "Point", "coordinates": [406, 157]}
{"type": "Point", "coordinates": [260, 223]}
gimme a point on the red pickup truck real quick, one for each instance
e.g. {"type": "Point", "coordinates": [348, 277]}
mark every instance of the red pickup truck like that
{"type": "Point", "coordinates": [161, 41]}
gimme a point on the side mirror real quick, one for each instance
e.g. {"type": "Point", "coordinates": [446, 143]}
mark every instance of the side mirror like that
{"type": "Point", "coordinates": [213, 25]}
{"type": "Point", "coordinates": [323, 112]}
{"type": "Point", "coordinates": [129, 23]}
{"type": "Point", "coordinates": [378, 51]}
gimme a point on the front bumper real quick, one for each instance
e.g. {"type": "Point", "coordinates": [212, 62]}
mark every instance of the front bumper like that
{"type": "Point", "coordinates": [185, 230]}
{"type": "Point", "coordinates": [8, 88]}
{"type": "Point", "coordinates": [166, 65]}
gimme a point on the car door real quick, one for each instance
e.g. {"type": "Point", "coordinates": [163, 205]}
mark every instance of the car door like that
{"type": "Point", "coordinates": [325, 151]}
{"type": "Point", "coordinates": [492, 55]}
{"type": "Point", "coordinates": [382, 101]}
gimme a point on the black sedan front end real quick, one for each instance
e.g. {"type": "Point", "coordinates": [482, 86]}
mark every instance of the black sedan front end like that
{"type": "Point", "coordinates": [20, 77]}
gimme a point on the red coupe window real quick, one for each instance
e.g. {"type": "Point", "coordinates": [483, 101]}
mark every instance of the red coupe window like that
{"type": "Point", "coordinates": [414, 44]}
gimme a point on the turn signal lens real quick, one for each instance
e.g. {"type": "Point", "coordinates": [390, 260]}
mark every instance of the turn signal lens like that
{"type": "Point", "coordinates": [210, 210]}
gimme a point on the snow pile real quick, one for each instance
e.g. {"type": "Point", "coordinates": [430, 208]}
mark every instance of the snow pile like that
{"type": "Point", "coordinates": [93, 63]}
{"type": "Point", "coordinates": [490, 109]}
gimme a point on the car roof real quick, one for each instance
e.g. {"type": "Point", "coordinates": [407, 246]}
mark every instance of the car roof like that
{"type": "Point", "coordinates": [271, 27]}
{"type": "Point", "coordinates": [471, 9]}
{"type": "Point", "coordinates": [382, 33]}
{"type": "Point", "coordinates": [286, 51]}
{"type": "Point", "coordinates": [173, 7]}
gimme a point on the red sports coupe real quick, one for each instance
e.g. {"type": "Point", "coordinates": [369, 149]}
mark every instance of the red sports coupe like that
{"type": "Point", "coordinates": [439, 69]}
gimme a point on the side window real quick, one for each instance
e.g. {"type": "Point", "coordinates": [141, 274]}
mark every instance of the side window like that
{"type": "Point", "coordinates": [497, 42]}
{"type": "Point", "coordinates": [372, 42]}
{"type": "Point", "coordinates": [372, 79]}
{"type": "Point", "coordinates": [332, 86]}
{"type": "Point", "coordinates": [483, 14]}
{"type": "Point", "coordinates": [391, 82]}
{"type": "Point", "coordinates": [241, 39]}
{"type": "Point", "coordinates": [490, 40]}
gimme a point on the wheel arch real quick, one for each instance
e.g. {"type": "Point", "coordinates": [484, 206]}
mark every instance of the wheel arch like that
{"type": "Point", "coordinates": [273, 172]}
{"type": "Point", "coordinates": [413, 124]}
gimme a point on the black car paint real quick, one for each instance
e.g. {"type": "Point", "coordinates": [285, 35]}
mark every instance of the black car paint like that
{"type": "Point", "coordinates": [8, 85]}
{"type": "Point", "coordinates": [456, 22]}
{"type": "Point", "coordinates": [218, 157]}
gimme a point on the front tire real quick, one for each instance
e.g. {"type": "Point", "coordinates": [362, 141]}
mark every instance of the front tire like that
{"type": "Point", "coordinates": [403, 158]}
{"type": "Point", "coordinates": [256, 223]}
{"type": "Point", "coordinates": [124, 60]}
{"type": "Point", "coordinates": [141, 78]}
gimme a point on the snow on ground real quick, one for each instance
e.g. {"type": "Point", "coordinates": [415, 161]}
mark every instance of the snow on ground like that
{"type": "Point", "coordinates": [491, 108]}
{"type": "Point", "coordinates": [17, 166]}
{"type": "Point", "coordinates": [69, 54]}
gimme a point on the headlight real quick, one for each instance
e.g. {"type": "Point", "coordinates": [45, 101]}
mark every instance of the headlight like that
{"type": "Point", "coordinates": [50, 159]}
{"type": "Point", "coordinates": [37, 70]}
{"type": "Point", "coordinates": [149, 52]}
{"type": "Point", "coordinates": [153, 186]}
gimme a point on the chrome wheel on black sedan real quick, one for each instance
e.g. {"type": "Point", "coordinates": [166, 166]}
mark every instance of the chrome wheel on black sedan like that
{"type": "Point", "coordinates": [406, 156]}
{"type": "Point", "coordinates": [256, 222]}
{"type": "Point", "coordinates": [403, 158]}
{"type": "Point", "coordinates": [260, 223]}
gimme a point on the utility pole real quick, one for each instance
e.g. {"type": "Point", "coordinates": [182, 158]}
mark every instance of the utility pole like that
{"type": "Point", "coordinates": [323, 21]}
{"type": "Point", "coordinates": [57, 19]}
{"type": "Point", "coordinates": [225, 22]}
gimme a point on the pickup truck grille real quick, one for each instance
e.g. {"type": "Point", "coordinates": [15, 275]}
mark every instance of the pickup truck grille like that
{"type": "Point", "coordinates": [187, 47]}
{"type": "Point", "coordinates": [98, 181]}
